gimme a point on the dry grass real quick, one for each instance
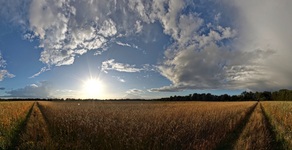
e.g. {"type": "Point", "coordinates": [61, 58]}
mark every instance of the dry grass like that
{"type": "Point", "coordinates": [280, 114]}
{"type": "Point", "coordinates": [12, 114]}
{"type": "Point", "coordinates": [35, 134]}
{"type": "Point", "coordinates": [142, 125]}
{"type": "Point", "coordinates": [256, 135]}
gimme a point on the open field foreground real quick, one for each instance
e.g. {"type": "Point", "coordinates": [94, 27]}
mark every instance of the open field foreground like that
{"type": "Point", "coordinates": [13, 116]}
{"type": "Point", "coordinates": [280, 116]}
{"type": "Point", "coordinates": [145, 125]}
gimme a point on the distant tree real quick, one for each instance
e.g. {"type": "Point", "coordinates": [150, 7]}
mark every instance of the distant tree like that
{"type": "Point", "coordinates": [275, 96]}
{"type": "Point", "coordinates": [225, 97]}
{"type": "Point", "coordinates": [266, 95]}
{"type": "Point", "coordinates": [247, 96]}
{"type": "Point", "coordinates": [282, 94]}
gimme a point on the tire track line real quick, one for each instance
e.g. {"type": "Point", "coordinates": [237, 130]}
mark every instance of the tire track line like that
{"type": "Point", "coordinates": [35, 134]}
{"type": "Point", "coordinates": [256, 134]}
{"type": "Point", "coordinates": [229, 142]}
{"type": "Point", "coordinates": [20, 128]}
{"type": "Point", "coordinates": [277, 143]}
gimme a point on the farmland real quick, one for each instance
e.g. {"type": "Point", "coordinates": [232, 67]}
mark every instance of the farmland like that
{"type": "Point", "coordinates": [280, 116]}
{"type": "Point", "coordinates": [147, 125]}
{"type": "Point", "coordinates": [12, 117]}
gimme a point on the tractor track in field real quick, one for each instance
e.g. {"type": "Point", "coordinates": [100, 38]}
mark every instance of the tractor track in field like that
{"type": "Point", "coordinates": [254, 132]}
{"type": "Point", "coordinates": [229, 142]}
{"type": "Point", "coordinates": [34, 133]}
{"type": "Point", "coordinates": [258, 133]}
{"type": "Point", "coordinates": [276, 143]}
{"type": "Point", "coordinates": [20, 128]}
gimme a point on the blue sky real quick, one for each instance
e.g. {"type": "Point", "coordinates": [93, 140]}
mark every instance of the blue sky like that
{"type": "Point", "coordinates": [143, 49]}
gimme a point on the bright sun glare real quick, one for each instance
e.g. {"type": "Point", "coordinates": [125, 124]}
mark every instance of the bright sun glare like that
{"type": "Point", "coordinates": [93, 88]}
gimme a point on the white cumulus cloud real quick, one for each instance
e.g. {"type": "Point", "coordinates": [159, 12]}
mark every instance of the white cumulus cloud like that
{"type": "Point", "coordinates": [239, 44]}
{"type": "Point", "coordinates": [67, 28]}
{"type": "Point", "coordinates": [134, 94]}
{"type": "Point", "coordinates": [134, 91]}
{"type": "Point", "coordinates": [3, 72]}
{"type": "Point", "coordinates": [112, 65]}
{"type": "Point", "coordinates": [252, 54]}
{"type": "Point", "coordinates": [44, 69]}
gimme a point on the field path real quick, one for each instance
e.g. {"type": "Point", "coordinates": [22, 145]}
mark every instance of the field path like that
{"type": "Point", "coordinates": [257, 134]}
{"type": "Point", "coordinates": [35, 134]}
{"type": "Point", "coordinates": [229, 142]}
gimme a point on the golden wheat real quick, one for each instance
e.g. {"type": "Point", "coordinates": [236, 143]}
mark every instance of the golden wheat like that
{"type": "Point", "coordinates": [35, 135]}
{"type": "Point", "coordinates": [142, 125]}
{"type": "Point", "coordinates": [11, 115]}
{"type": "Point", "coordinates": [280, 114]}
{"type": "Point", "coordinates": [256, 134]}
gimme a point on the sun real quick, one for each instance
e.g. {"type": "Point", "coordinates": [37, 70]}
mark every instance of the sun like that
{"type": "Point", "coordinates": [92, 88]}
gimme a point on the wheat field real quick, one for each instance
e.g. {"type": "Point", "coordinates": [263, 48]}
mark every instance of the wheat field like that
{"type": "Point", "coordinates": [12, 116]}
{"type": "Point", "coordinates": [142, 125]}
{"type": "Point", "coordinates": [280, 115]}
{"type": "Point", "coordinates": [147, 125]}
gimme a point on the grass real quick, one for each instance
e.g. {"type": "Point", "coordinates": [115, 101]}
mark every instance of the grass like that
{"type": "Point", "coordinates": [142, 125]}
{"type": "Point", "coordinates": [35, 135]}
{"type": "Point", "coordinates": [145, 125]}
{"type": "Point", "coordinates": [230, 141]}
{"type": "Point", "coordinates": [12, 115]}
{"type": "Point", "coordinates": [280, 116]}
{"type": "Point", "coordinates": [256, 134]}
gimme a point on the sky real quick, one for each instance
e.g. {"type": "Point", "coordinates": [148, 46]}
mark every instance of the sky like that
{"type": "Point", "coordinates": [143, 48]}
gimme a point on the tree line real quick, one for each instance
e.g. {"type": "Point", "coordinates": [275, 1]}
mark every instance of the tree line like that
{"type": "Point", "coordinates": [281, 95]}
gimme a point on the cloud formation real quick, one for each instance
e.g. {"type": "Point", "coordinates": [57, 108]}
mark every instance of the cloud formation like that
{"type": "Point", "coordinates": [252, 54]}
{"type": "Point", "coordinates": [127, 44]}
{"type": "Point", "coordinates": [67, 28]}
{"type": "Point", "coordinates": [44, 69]}
{"type": "Point", "coordinates": [41, 90]}
{"type": "Point", "coordinates": [244, 49]}
{"type": "Point", "coordinates": [3, 72]}
{"type": "Point", "coordinates": [134, 93]}
{"type": "Point", "coordinates": [267, 26]}
{"type": "Point", "coordinates": [112, 65]}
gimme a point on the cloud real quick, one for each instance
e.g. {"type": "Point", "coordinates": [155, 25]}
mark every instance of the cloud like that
{"type": "Point", "coordinates": [138, 26]}
{"type": "Point", "coordinates": [134, 91]}
{"type": "Point", "coordinates": [123, 44]}
{"type": "Point", "coordinates": [268, 30]}
{"type": "Point", "coordinates": [44, 69]}
{"type": "Point", "coordinates": [2, 62]}
{"type": "Point", "coordinates": [112, 65]}
{"type": "Point", "coordinates": [121, 67]}
{"type": "Point", "coordinates": [214, 68]}
{"type": "Point", "coordinates": [251, 53]}
{"type": "Point", "coordinates": [66, 93]}
{"type": "Point", "coordinates": [172, 88]}
{"type": "Point", "coordinates": [134, 94]}
{"type": "Point", "coordinates": [121, 79]}
{"type": "Point", "coordinates": [3, 72]}
{"type": "Point", "coordinates": [127, 44]}
{"type": "Point", "coordinates": [67, 28]}
{"type": "Point", "coordinates": [2, 88]}
{"type": "Point", "coordinates": [41, 90]}
{"type": "Point", "coordinates": [239, 44]}
{"type": "Point", "coordinates": [14, 11]}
